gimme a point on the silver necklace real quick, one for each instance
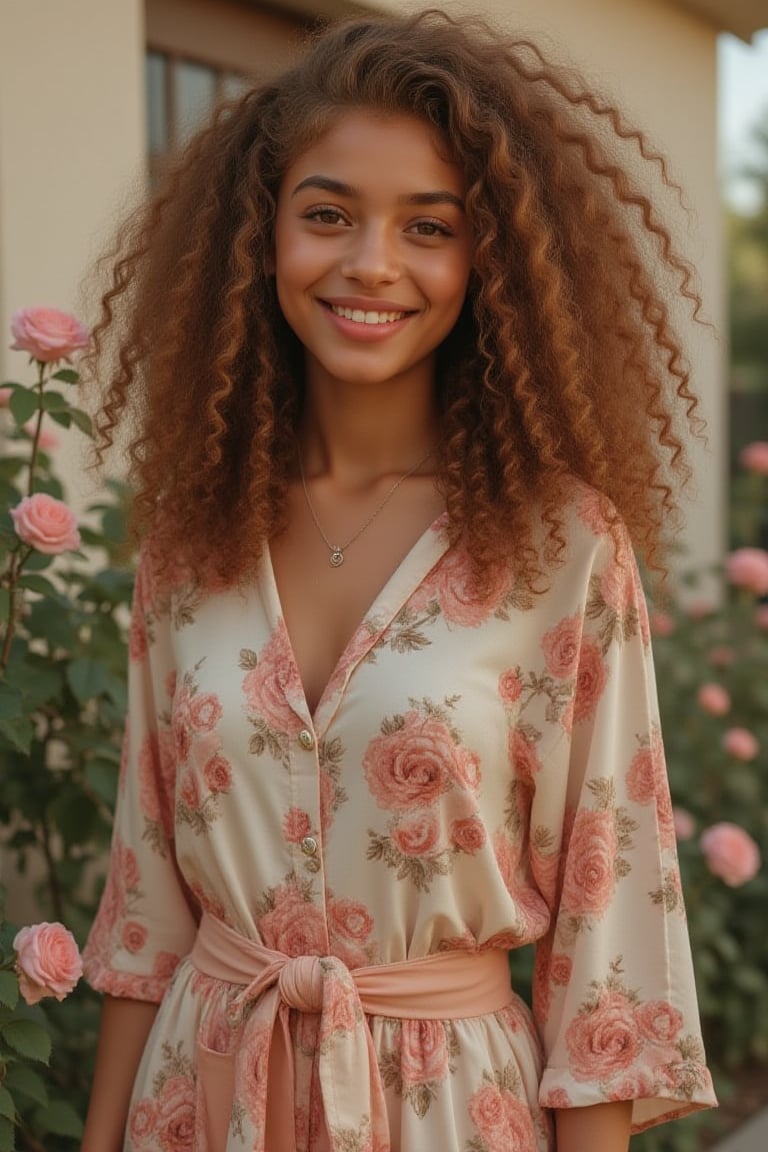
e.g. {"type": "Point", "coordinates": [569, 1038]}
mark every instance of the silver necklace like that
{"type": "Point", "coordinates": [336, 558]}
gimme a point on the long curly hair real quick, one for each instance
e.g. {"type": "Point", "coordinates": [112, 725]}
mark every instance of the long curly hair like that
{"type": "Point", "coordinates": [563, 366]}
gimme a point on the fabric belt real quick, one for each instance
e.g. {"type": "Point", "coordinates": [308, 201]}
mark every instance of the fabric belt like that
{"type": "Point", "coordinates": [260, 1071]}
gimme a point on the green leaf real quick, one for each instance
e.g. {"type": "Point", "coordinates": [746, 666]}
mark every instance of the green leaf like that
{"type": "Point", "coordinates": [61, 1119]}
{"type": "Point", "coordinates": [10, 702]}
{"type": "Point", "coordinates": [28, 1039]}
{"type": "Point", "coordinates": [55, 402]}
{"type": "Point", "coordinates": [74, 813]}
{"type": "Point", "coordinates": [87, 678]}
{"type": "Point", "coordinates": [38, 561]}
{"type": "Point", "coordinates": [102, 777]}
{"type": "Point", "coordinates": [7, 1108]}
{"type": "Point", "coordinates": [21, 1078]}
{"type": "Point", "coordinates": [7, 1142]}
{"type": "Point", "coordinates": [23, 405]}
{"type": "Point", "coordinates": [62, 418]}
{"type": "Point", "coordinates": [66, 375]}
{"type": "Point", "coordinates": [82, 420]}
{"type": "Point", "coordinates": [19, 733]}
{"type": "Point", "coordinates": [36, 583]}
{"type": "Point", "coordinates": [9, 989]}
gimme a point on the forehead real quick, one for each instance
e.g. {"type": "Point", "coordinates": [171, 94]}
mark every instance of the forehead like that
{"type": "Point", "coordinates": [362, 147]}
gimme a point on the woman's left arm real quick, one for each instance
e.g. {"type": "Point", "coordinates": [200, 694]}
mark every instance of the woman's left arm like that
{"type": "Point", "coordinates": [599, 1128]}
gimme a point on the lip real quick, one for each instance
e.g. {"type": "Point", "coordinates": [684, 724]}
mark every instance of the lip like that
{"type": "Point", "coordinates": [366, 333]}
{"type": "Point", "coordinates": [366, 303]}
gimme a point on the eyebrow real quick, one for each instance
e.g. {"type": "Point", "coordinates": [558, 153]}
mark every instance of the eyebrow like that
{"type": "Point", "coordinates": [326, 184]}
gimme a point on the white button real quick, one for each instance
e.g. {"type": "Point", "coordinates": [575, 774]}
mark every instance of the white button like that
{"type": "Point", "coordinates": [306, 739]}
{"type": "Point", "coordinates": [309, 846]}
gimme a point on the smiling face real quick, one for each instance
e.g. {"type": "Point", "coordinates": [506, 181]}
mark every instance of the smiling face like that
{"type": "Point", "coordinates": [372, 250]}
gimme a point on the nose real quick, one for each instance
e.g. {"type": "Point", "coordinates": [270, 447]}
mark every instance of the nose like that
{"type": "Point", "coordinates": [371, 257]}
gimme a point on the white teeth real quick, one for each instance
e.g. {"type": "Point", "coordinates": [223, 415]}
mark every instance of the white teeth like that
{"type": "Point", "coordinates": [361, 317]}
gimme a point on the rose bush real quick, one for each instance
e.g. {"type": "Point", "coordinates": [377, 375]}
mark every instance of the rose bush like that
{"type": "Point", "coordinates": [64, 592]}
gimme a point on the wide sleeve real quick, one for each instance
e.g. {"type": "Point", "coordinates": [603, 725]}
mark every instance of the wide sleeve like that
{"type": "Point", "coordinates": [614, 995]}
{"type": "Point", "coordinates": [146, 919]}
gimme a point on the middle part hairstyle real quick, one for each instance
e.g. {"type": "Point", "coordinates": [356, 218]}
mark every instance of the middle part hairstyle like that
{"type": "Point", "coordinates": [563, 364]}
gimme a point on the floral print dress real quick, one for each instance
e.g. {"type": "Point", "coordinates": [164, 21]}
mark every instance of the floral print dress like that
{"type": "Point", "coordinates": [479, 774]}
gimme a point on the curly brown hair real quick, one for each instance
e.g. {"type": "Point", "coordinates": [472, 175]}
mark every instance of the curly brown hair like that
{"type": "Point", "coordinates": [564, 363]}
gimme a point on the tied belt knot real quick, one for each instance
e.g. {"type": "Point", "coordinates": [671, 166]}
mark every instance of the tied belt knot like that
{"type": "Point", "coordinates": [300, 983]}
{"type": "Point", "coordinates": [259, 1070]}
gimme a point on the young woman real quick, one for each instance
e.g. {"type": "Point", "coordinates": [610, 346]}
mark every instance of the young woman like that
{"type": "Point", "coordinates": [407, 395]}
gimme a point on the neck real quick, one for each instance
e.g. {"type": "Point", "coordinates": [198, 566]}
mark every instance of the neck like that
{"type": "Point", "coordinates": [357, 435]}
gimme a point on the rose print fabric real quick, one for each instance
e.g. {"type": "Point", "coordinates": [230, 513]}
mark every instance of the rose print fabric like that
{"type": "Point", "coordinates": [479, 774]}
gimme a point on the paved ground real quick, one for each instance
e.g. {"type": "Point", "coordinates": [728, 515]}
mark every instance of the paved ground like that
{"type": "Point", "coordinates": [751, 1137]}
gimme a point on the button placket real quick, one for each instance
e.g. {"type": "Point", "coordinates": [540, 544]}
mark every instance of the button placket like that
{"type": "Point", "coordinates": [309, 845]}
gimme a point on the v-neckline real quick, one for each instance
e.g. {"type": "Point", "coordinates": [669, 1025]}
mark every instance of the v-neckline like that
{"type": "Point", "coordinates": [394, 593]}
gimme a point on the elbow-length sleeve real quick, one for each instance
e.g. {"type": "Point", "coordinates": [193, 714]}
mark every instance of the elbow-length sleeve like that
{"type": "Point", "coordinates": [614, 996]}
{"type": "Point", "coordinates": [146, 920]}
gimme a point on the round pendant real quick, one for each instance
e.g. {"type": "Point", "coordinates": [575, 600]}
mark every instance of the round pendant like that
{"type": "Point", "coordinates": [337, 558]}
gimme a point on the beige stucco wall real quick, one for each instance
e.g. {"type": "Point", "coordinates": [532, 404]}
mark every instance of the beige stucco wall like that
{"type": "Point", "coordinates": [660, 62]}
{"type": "Point", "coordinates": [72, 148]}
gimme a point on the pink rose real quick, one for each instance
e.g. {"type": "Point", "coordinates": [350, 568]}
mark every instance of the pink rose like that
{"type": "Point", "coordinates": [411, 765]}
{"type": "Point", "coordinates": [416, 834]}
{"type": "Point", "coordinates": [466, 770]}
{"type": "Point", "coordinates": [452, 584]}
{"type": "Point", "coordinates": [748, 568]}
{"type": "Point", "coordinates": [684, 823]}
{"type": "Point", "coordinates": [642, 776]}
{"type": "Point", "coordinates": [189, 792]}
{"type": "Point", "coordinates": [591, 678]}
{"type": "Point", "coordinates": [731, 853]}
{"type": "Point", "coordinates": [754, 457]}
{"type": "Point", "coordinates": [604, 1041]}
{"type": "Point", "coordinates": [561, 648]}
{"type": "Point", "coordinates": [522, 755]}
{"type": "Point", "coordinates": [633, 1086]}
{"type": "Point", "coordinates": [560, 967]}
{"type": "Point", "coordinates": [590, 868]}
{"type": "Point", "coordinates": [175, 1124]}
{"type": "Point", "coordinates": [350, 919]}
{"type": "Point", "coordinates": [48, 334]}
{"type": "Point", "coordinates": [134, 936]}
{"type": "Point", "coordinates": [218, 774]}
{"type": "Point", "coordinates": [294, 925]}
{"type": "Point", "coordinates": [714, 699]}
{"type": "Point", "coordinates": [468, 835]}
{"type": "Point", "coordinates": [46, 524]}
{"type": "Point", "coordinates": [274, 682]}
{"type": "Point", "coordinates": [662, 623]}
{"type": "Point", "coordinates": [204, 711]}
{"type": "Point", "coordinates": [558, 1098]}
{"type": "Point", "coordinates": [722, 656]}
{"type": "Point", "coordinates": [142, 1120]}
{"type": "Point", "coordinates": [504, 1122]}
{"type": "Point", "coordinates": [510, 686]}
{"type": "Point", "coordinates": [741, 744]}
{"type": "Point", "coordinates": [423, 1051]}
{"type": "Point", "coordinates": [47, 961]}
{"type": "Point", "coordinates": [659, 1022]}
{"type": "Point", "coordinates": [296, 825]}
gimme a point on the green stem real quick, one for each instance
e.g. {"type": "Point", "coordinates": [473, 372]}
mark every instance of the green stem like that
{"type": "Point", "coordinates": [38, 428]}
{"type": "Point", "coordinates": [19, 558]}
{"type": "Point", "coordinates": [54, 887]}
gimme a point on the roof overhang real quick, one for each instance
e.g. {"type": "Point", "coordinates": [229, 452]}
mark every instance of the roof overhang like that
{"type": "Point", "coordinates": [741, 17]}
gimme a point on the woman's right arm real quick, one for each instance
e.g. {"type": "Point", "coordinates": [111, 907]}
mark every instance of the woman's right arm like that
{"type": "Point", "coordinates": [125, 1025]}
